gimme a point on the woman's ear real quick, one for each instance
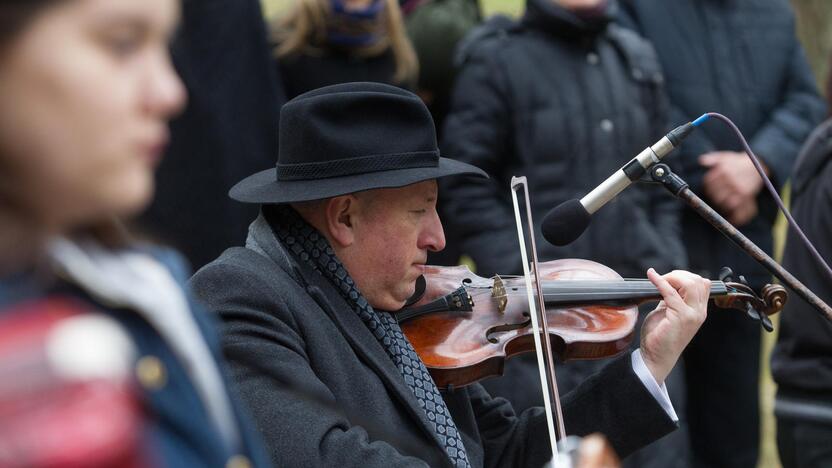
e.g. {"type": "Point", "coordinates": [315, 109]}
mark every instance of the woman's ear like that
{"type": "Point", "coordinates": [340, 215]}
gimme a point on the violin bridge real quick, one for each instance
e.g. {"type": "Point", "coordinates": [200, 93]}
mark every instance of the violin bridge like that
{"type": "Point", "coordinates": [498, 292]}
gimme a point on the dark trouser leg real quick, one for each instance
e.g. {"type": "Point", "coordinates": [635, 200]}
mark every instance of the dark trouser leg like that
{"type": "Point", "coordinates": [722, 366]}
{"type": "Point", "coordinates": [804, 444]}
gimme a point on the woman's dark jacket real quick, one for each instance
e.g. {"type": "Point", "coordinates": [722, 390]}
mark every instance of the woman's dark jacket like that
{"type": "Point", "coordinates": [324, 392]}
{"type": "Point", "coordinates": [741, 59]}
{"type": "Point", "coordinates": [565, 102]}
{"type": "Point", "coordinates": [802, 359]}
{"type": "Point", "coordinates": [177, 430]}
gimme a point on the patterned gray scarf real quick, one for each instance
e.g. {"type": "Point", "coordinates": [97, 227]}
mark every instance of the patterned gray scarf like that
{"type": "Point", "coordinates": [307, 245]}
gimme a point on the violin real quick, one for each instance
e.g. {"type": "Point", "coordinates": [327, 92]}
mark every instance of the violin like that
{"type": "Point", "coordinates": [464, 326]}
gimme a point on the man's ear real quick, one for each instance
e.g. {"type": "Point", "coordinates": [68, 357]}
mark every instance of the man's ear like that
{"type": "Point", "coordinates": [340, 216]}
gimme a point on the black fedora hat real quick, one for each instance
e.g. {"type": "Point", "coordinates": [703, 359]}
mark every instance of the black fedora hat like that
{"type": "Point", "coordinates": [348, 138]}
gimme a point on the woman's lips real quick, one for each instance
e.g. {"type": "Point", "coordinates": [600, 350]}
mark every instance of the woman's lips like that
{"type": "Point", "coordinates": [153, 150]}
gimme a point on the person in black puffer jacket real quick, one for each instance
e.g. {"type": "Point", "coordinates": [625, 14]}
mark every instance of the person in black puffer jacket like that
{"type": "Point", "coordinates": [741, 59]}
{"type": "Point", "coordinates": [564, 100]}
{"type": "Point", "coordinates": [564, 97]}
{"type": "Point", "coordinates": [802, 359]}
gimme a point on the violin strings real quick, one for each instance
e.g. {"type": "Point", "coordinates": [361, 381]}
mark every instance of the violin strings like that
{"type": "Point", "coordinates": [584, 287]}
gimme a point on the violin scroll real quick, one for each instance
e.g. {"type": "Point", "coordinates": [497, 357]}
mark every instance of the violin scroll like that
{"type": "Point", "coordinates": [741, 296]}
{"type": "Point", "coordinates": [769, 302]}
{"type": "Point", "coordinates": [774, 296]}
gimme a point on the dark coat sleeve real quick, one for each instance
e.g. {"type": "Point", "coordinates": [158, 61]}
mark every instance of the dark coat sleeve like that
{"type": "Point", "coordinates": [477, 131]}
{"type": "Point", "coordinates": [616, 403]}
{"type": "Point", "coordinates": [778, 141]}
{"type": "Point", "coordinates": [273, 374]}
{"type": "Point", "coordinates": [613, 402]}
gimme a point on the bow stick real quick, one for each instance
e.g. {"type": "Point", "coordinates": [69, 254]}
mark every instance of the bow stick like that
{"type": "Point", "coordinates": [543, 348]}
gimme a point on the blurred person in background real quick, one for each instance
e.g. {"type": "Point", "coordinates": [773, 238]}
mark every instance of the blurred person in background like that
{"type": "Point", "coordinates": [227, 130]}
{"type": "Point", "coordinates": [801, 362]}
{"type": "Point", "coordinates": [104, 361]}
{"type": "Point", "coordinates": [564, 97]}
{"type": "Point", "coordinates": [741, 59]}
{"type": "Point", "coordinates": [325, 42]}
{"type": "Point", "coordinates": [436, 28]}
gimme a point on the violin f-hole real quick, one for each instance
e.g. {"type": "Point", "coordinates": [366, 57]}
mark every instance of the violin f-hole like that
{"type": "Point", "coordinates": [506, 327]}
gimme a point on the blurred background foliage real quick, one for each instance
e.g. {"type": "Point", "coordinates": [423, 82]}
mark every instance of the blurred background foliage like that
{"type": "Point", "coordinates": [814, 26]}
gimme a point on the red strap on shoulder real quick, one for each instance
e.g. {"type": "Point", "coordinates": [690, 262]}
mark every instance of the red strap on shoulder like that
{"type": "Point", "coordinates": [52, 418]}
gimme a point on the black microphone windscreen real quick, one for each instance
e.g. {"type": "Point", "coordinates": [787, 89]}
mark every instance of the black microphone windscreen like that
{"type": "Point", "coordinates": [565, 223]}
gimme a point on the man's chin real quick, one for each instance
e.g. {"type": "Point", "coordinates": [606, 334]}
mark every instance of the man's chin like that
{"type": "Point", "coordinates": [390, 303]}
{"type": "Point", "coordinates": [404, 298]}
{"type": "Point", "coordinates": [397, 299]}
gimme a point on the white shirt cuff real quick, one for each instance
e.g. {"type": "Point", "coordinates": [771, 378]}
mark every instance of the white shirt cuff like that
{"type": "Point", "coordinates": [659, 392]}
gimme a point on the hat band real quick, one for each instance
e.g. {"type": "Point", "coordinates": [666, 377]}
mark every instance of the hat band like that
{"type": "Point", "coordinates": [352, 166]}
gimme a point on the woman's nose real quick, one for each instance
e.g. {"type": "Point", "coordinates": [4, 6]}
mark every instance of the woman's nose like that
{"type": "Point", "coordinates": [166, 95]}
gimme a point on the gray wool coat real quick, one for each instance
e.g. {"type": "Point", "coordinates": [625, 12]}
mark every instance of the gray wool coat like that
{"type": "Point", "coordinates": [325, 393]}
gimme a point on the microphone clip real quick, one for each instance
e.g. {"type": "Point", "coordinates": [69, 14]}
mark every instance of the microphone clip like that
{"type": "Point", "coordinates": [662, 174]}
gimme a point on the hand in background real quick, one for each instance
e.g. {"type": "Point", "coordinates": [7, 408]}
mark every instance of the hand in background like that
{"type": "Point", "coordinates": [732, 184]}
{"type": "Point", "coordinates": [743, 214]}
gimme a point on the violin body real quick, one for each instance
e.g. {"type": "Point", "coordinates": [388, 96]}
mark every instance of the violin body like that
{"type": "Point", "coordinates": [462, 347]}
{"type": "Point", "coordinates": [464, 326]}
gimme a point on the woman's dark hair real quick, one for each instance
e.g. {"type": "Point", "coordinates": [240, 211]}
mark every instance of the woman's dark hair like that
{"type": "Point", "coordinates": [16, 242]}
{"type": "Point", "coordinates": [16, 14]}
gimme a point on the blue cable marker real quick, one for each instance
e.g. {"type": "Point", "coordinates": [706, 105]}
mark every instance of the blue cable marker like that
{"type": "Point", "coordinates": [701, 120]}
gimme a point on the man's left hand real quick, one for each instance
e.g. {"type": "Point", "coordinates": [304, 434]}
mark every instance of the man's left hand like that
{"type": "Point", "coordinates": [668, 329]}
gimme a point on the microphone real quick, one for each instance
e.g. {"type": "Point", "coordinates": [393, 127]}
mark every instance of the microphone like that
{"type": "Point", "coordinates": [566, 222]}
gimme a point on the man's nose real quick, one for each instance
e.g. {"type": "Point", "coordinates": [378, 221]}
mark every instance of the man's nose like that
{"type": "Point", "coordinates": [433, 236]}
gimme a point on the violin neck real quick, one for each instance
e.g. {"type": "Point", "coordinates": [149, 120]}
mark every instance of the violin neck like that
{"type": "Point", "coordinates": [615, 292]}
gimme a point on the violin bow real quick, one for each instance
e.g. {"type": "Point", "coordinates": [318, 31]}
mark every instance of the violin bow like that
{"type": "Point", "coordinates": [545, 357]}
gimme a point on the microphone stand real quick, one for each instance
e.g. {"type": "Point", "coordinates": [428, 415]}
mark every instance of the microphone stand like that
{"type": "Point", "coordinates": [679, 188]}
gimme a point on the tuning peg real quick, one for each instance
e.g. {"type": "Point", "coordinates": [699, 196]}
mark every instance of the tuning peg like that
{"type": "Point", "coordinates": [765, 322]}
{"type": "Point", "coordinates": [726, 274]}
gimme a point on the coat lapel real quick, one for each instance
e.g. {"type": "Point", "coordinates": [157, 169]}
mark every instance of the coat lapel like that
{"type": "Point", "coordinates": [263, 240]}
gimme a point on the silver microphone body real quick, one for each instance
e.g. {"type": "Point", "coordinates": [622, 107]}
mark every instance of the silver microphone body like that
{"type": "Point", "coordinates": [624, 177]}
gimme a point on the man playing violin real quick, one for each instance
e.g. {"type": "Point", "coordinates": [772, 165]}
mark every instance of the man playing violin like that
{"type": "Point", "coordinates": [347, 219]}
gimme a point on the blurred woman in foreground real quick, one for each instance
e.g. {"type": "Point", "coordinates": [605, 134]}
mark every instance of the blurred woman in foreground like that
{"type": "Point", "coordinates": [103, 358]}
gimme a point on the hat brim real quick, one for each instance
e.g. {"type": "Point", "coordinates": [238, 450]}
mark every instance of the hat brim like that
{"type": "Point", "coordinates": [263, 187]}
